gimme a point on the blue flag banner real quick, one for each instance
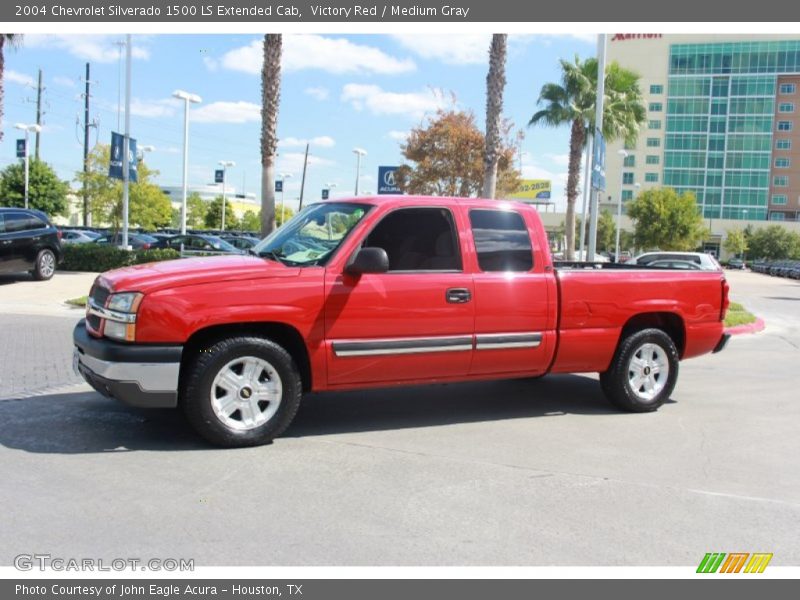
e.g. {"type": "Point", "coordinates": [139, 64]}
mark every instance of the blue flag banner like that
{"type": "Point", "coordinates": [117, 150]}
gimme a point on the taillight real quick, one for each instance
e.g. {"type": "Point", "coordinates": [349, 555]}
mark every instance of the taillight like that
{"type": "Point", "coordinates": [59, 233]}
{"type": "Point", "coordinates": [725, 300]}
{"type": "Point", "coordinates": [145, 246]}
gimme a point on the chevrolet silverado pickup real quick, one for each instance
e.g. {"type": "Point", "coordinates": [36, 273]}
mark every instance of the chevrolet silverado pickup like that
{"type": "Point", "coordinates": [386, 291]}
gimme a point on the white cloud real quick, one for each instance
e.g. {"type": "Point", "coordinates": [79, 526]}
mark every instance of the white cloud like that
{"type": "Point", "coordinates": [20, 78]}
{"type": "Point", "coordinates": [64, 81]}
{"type": "Point", "coordinates": [292, 162]}
{"type": "Point", "coordinates": [471, 49]}
{"type": "Point", "coordinates": [398, 136]}
{"type": "Point", "coordinates": [380, 102]}
{"type": "Point", "coordinates": [153, 109]}
{"type": "Point", "coordinates": [94, 48]}
{"type": "Point", "coordinates": [212, 64]}
{"type": "Point", "coordinates": [303, 52]}
{"type": "Point", "coordinates": [318, 93]}
{"type": "Point", "coordinates": [562, 160]}
{"type": "Point", "coordinates": [532, 169]}
{"type": "Point", "coordinates": [227, 112]}
{"type": "Point", "coordinates": [323, 141]}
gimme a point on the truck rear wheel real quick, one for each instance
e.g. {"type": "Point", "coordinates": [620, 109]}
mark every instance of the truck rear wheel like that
{"type": "Point", "coordinates": [241, 391]}
{"type": "Point", "coordinates": [643, 372]}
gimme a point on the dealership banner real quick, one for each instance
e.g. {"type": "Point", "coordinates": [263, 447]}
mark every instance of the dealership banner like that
{"type": "Point", "coordinates": [533, 189]}
{"type": "Point", "coordinates": [117, 151]}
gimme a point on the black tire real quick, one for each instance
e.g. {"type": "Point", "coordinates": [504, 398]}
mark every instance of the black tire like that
{"type": "Point", "coordinates": [223, 358]}
{"type": "Point", "coordinates": [640, 358]}
{"type": "Point", "coordinates": [45, 266]}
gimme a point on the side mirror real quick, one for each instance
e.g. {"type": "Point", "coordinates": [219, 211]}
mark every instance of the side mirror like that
{"type": "Point", "coordinates": [368, 260]}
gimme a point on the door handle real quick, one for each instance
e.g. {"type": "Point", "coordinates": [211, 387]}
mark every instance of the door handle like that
{"type": "Point", "coordinates": [458, 295]}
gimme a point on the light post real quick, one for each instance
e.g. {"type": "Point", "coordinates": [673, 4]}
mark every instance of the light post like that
{"type": "Point", "coordinates": [142, 150]}
{"type": "Point", "coordinates": [27, 129]}
{"type": "Point", "coordinates": [187, 98]}
{"type": "Point", "coordinates": [224, 164]}
{"type": "Point", "coordinates": [359, 152]}
{"type": "Point", "coordinates": [284, 177]}
{"type": "Point", "coordinates": [623, 154]}
{"type": "Point", "coordinates": [328, 188]}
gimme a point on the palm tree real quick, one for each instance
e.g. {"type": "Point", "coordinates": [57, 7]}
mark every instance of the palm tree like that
{"type": "Point", "coordinates": [573, 102]}
{"type": "Point", "coordinates": [270, 100]}
{"type": "Point", "coordinates": [495, 84]}
{"type": "Point", "coordinates": [11, 39]}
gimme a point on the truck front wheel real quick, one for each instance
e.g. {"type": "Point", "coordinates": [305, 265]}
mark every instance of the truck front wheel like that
{"type": "Point", "coordinates": [241, 391]}
{"type": "Point", "coordinates": [643, 372]}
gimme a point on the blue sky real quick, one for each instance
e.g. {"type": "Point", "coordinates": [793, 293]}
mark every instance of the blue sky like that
{"type": "Point", "coordinates": [338, 92]}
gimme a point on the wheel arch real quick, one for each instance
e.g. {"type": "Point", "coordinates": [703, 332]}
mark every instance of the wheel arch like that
{"type": "Point", "coordinates": [670, 323]}
{"type": "Point", "coordinates": [282, 334]}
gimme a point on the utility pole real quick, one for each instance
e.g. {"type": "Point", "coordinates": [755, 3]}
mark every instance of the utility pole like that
{"type": "Point", "coordinates": [126, 145]}
{"type": "Point", "coordinates": [303, 180]}
{"type": "Point", "coordinates": [601, 86]}
{"type": "Point", "coordinates": [87, 215]}
{"type": "Point", "coordinates": [38, 112]}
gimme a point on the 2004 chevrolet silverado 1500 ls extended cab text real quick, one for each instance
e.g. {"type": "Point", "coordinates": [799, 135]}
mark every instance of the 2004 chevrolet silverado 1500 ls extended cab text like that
{"type": "Point", "coordinates": [386, 291]}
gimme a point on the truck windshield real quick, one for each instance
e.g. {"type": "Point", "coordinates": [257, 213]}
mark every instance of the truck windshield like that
{"type": "Point", "coordinates": [311, 236]}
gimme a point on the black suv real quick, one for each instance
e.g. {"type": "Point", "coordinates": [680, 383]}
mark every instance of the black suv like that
{"type": "Point", "coordinates": [28, 242]}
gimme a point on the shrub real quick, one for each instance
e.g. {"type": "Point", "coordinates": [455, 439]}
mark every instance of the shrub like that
{"type": "Point", "coordinates": [99, 258]}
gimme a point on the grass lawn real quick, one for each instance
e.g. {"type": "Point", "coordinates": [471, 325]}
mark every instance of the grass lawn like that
{"type": "Point", "coordinates": [737, 315]}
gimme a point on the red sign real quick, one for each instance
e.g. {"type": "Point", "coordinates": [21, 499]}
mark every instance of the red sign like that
{"type": "Point", "coordinates": [619, 37]}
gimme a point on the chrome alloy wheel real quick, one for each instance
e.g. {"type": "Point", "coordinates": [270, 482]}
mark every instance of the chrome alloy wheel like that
{"type": "Point", "coordinates": [47, 265]}
{"type": "Point", "coordinates": [246, 393]}
{"type": "Point", "coordinates": [648, 372]}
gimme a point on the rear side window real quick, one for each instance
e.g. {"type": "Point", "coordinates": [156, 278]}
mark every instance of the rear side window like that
{"type": "Point", "coordinates": [16, 222]}
{"type": "Point", "coordinates": [2, 223]}
{"type": "Point", "coordinates": [501, 240]}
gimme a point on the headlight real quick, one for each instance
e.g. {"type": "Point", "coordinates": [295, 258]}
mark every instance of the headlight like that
{"type": "Point", "coordinates": [127, 302]}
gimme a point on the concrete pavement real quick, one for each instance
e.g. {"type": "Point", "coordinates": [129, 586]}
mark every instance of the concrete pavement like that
{"type": "Point", "coordinates": [21, 295]}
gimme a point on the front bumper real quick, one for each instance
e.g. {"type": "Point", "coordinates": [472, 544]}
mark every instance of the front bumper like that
{"type": "Point", "coordinates": [139, 375]}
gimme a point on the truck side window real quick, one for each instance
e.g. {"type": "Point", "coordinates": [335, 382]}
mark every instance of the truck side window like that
{"type": "Point", "coordinates": [501, 240]}
{"type": "Point", "coordinates": [418, 239]}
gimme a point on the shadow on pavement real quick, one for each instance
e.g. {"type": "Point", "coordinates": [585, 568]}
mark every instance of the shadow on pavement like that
{"type": "Point", "coordinates": [85, 422]}
{"type": "Point", "coordinates": [7, 278]}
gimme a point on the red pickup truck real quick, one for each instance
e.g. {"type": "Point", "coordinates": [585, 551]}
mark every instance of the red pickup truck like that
{"type": "Point", "coordinates": [386, 291]}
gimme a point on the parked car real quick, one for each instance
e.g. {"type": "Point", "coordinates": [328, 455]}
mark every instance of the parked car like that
{"type": "Point", "coordinates": [736, 263]}
{"type": "Point", "coordinates": [138, 241]}
{"type": "Point", "coordinates": [242, 242]}
{"type": "Point", "coordinates": [684, 265]}
{"type": "Point", "coordinates": [28, 242]}
{"type": "Point", "coordinates": [706, 261]}
{"type": "Point", "coordinates": [403, 291]}
{"type": "Point", "coordinates": [78, 236]}
{"type": "Point", "coordinates": [197, 243]}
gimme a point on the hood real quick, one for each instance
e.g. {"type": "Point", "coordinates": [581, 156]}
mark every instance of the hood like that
{"type": "Point", "coordinates": [151, 277]}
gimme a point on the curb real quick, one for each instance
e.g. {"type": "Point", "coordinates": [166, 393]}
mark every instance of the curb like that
{"type": "Point", "coordinates": [755, 327]}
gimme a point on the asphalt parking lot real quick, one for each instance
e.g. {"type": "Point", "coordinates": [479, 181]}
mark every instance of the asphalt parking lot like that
{"type": "Point", "coordinates": [539, 472]}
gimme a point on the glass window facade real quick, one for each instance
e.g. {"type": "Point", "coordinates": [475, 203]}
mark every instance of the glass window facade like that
{"type": "Point", "coordinates": [788, 89]}
{"type": "Point", "coordinates": [782, 163]}
{"type": "Point", "coordinates": [779, 199]}
{"type": "Point", "coordinates": [780, 181]}
{"type": "Point", "coordinates": [652, 159]}
{"type": "Point", "coordinates": [656, 89]}
{"type": "Point", "coordinates": [776, 216]}
{"type": "Point", "coordinates": [651, 177]}
{"type": "Point", "coordinates": [627, 195]}
{"type": "Point", "coordinates": [654, 124]}
{"type": "Point", "coordinates": [627, 178]}
{"type": "Point", "coordinates": [655, 107]}
{"type": "Point", "coordinates": [720, 122]}
{"type": "Point", "coordinates": [629, 161]}
{"type": "Point", "coordinates": [653, 142]}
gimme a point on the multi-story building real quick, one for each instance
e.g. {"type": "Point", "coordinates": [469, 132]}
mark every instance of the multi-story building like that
{"type": "Point", "coordinates": [723, 121]}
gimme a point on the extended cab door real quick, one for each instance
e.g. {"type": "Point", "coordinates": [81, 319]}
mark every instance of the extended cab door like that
{"type": "Point", "coordinates": [515, 298]}
{"type": "Point", "coordinates": [412, 323]}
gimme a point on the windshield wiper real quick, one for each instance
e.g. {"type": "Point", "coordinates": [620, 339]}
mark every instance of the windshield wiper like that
{"type": "Point", "coordinates": [275, 255]}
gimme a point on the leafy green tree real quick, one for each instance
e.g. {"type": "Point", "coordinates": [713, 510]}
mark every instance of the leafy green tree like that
{"type": "Point", "coordinates": [736, 242]}
{"type": "Point", "coordinates": [213, 219]}
{"type": "Point", "coordinates": [196, 210]}
{"type": "Point", "coordinates": [606, 232]}
{"type": "Point", "coordinates": [774, 243]}
{"type": "Point", "coordinates": [281, 216]}
{"type": "Point", "coordinates": [251, 221]}
{"type": "Point", "coordinates": [447, 153]}
{"type": "Point", "coordinates": [46, 192]}
{"type": "Point", "coordinates": [148, 206]}
{"type": "Point", "coordinates": [572, 102]}
{"type": "Point", "coordinates": [667, 221]}
{"type": "Point", "coordinates": [11, 40]}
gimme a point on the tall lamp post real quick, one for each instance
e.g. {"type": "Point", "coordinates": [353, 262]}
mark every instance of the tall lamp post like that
{"type": "Point", "coordinates": [195, 99]}
{"type": "Point", "coordinates": [27, 129]}
{"type": "Point", "coordinates": [359, 152]}
{"type": "Point", "coordinates": [623, 154]}
{"type": "Point", "coordinates": [224, 164]}
{"type": "Point", "coordinates": [284, 177]}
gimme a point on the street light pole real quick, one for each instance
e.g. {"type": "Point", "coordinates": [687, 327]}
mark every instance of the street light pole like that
{"type": "Point", "coordinates": [27, 129]}
{"type": "Point", "coordinates": [359, 152]}
{"type": "Point", "coordinates": [225, 164]}
{"type": "Point", "coordinates": [187, 98]}
{"type": "Point", "coordinates": [623, 154]}
{"type": "Point", "coordinates": [126, 145]}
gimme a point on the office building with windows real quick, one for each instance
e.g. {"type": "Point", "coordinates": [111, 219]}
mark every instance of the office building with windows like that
{"type": "Point", "coordinates": [722, 122]}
